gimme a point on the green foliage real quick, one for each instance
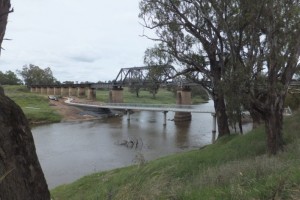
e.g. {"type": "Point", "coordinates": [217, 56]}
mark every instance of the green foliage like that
{"type": "Point", "coordinates": [293, 101]}
{"type": "Point", "coordinates": [34, 75]}
{"type": "Point", "coordinates": [235, 167]}
{"type": "Point", "coordinates": [35, 107]}
{"type": "Point", "coordinates": [199, 93]}
{"type": "Point", "coordinates": [9, 78]}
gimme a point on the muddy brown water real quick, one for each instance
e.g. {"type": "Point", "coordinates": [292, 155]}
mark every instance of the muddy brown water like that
{"type": "Point", "coordinates": [68, 151]}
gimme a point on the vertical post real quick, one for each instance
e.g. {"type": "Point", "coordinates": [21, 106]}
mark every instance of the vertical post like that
{"type": "Point", "coordinates": [128, 115]}
{"type": "Point", "coordinates": [214, 127]}
{"type": "Point", "coordinates": [165, 118]}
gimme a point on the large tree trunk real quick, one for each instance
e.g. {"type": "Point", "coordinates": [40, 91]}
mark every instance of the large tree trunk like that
{"type": "Point", "coordinates": [222, 118]}
{"type": "Point", "coordinates": [21, 176]}
{"type": "Point", "coordinates": [219, 99]}
{"type": "Point", "coordinates": [273, 124]}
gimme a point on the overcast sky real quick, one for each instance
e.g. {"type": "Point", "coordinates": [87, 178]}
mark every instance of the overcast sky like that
{"type": "Point", "coordinates": [79, 40]}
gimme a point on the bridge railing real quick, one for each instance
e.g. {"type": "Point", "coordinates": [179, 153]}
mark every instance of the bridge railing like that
{"type": "Point", "coordinates": [150, 105]}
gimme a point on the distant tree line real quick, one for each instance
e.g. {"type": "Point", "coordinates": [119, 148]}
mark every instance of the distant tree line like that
{"type": "Point", "coordinates": [9, 78]}
{"type": "Point", "coordinates": [31, 75]}
{"type": "Point", "coordinates": [34, 75]}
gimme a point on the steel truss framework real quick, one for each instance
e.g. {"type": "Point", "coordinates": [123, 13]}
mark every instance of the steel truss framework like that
{"type": "Point", "coordinates": [145, 75]}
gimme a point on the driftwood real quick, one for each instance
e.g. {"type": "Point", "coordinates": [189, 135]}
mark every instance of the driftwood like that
{"type": "Point", "coordinates": [132, 143]}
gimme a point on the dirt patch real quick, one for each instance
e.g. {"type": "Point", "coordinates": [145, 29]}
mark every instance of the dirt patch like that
{"type": "Point", "coordinates": [70, 113]}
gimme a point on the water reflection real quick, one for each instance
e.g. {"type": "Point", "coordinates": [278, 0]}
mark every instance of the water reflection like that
{"type": "Point", "coordinates": [182, 134]}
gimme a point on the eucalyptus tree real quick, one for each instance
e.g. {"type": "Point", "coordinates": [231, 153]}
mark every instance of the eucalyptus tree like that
{"type": "Point", "coordinates": [263, 43]}
{"type": "Point", "coordinates": [34, 75]}
{"type": "Point", "coordinates": [9, 78]}
{"type": "Point", "coordinates": [270, 52]}
{"type": "Point", "coordinates": [250, 48]}
{"type": "Point", "coordinates": [188, 35]}
{"type": "Point", "coordinates": [21, 176]}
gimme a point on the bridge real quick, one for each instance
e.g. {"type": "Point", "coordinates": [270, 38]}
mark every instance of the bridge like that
{"type": "Point", "coordinates": [164, 108]}
{"type": "Point", "coordinates": [134, 76]}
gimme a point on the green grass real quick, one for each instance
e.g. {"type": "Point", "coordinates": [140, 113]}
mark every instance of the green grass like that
{"type": "Point", "coordinates": [235, 167]}
{"type": "Point", "coordinates": [36, 107]}
{"type": "Point", "coordinates": [163, 96]}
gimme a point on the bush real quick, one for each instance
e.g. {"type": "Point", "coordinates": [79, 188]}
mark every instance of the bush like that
{"type": "Point", "coordinates": [293, 101]}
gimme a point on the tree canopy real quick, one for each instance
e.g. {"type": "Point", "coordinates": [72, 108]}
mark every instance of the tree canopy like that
{"type": "Point", "coordinates": [34, 75]}
{"type": "Point", "coordinates": [9, 78]}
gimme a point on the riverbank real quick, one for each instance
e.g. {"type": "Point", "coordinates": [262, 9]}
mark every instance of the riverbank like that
{"type": "Point", "coordinates": [236, 167]}
{"type": "Point", "coordinates": [37, 108]}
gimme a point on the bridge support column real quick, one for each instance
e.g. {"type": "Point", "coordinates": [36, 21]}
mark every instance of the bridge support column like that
{"type": "Point", "coordinates": [80, 92]}
{"type": "Point", "coordinates": [50, 91]}
{"type": "Point", "coordinates": [72, 91]}
{"type": "Point", "coordinates": [57, 91]}
{"type": "Point", "coordinates": [64, 91]}
{"type": "Point", "coordinates": [116, 95]}
{"type": "Point", "coordinates": [38, 90]}
{"type": "Point", "coordinates": [128, 115]}
{"type": "Point", "coordinates": [184, 97]}
{"type": "Point", "coordinates": [214, 128]}
{"type": "Point", "coordinates": [91, 94]}
{"type": "Point", "coordinates": [165, 118]}
{"type": "Point", "coordinates": [43, 90]}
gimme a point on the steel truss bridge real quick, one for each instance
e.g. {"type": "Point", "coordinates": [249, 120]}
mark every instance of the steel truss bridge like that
{"type": "Point", "coordinates": [150, 75]}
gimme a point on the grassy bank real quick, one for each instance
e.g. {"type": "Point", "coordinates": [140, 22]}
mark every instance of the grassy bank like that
{"type": "Point", "coordinates": [236, 167]}
{"type": "Point", "coordinates": [163, 96]}
{"type": "Point", "coordinates": [36, 107]}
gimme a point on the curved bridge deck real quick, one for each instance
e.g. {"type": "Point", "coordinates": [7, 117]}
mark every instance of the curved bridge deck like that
{"type": "Point", "coordinates": [145, 107]}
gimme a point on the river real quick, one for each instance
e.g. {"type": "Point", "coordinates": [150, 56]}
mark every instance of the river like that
{"type": "Point", "coordinates": [68, 151]}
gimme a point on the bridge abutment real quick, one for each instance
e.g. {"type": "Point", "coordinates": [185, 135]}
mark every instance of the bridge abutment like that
{"type": "Point", "coordinates": [183, 97]}
{"type": "Point", "coordinates": [116, 95]}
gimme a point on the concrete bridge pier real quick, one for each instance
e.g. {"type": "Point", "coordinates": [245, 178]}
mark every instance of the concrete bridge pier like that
{"type": "Point", "coordinates": [38, 90]}
{"type": "Point", "coordinates": [184, 97]}
{"type": "Point", "coordinates": [91, 94]}
{"type": "Point", "coordinates": [32, 89]}
{"type": "Point", "coordinates": [128, 114]}
{"type": "Point", "coordinates": [214, 128]}
{"type": "Point", "coordinates": [43, 90]}
{"type": "Point", "coordinates": [72, 91]}
{"type": "Point", "coordinates": [57, 91]}
{"type": "Point", "coordinates": [64, 91]}
{"type": "Point", "coordinates": [50, 90]}
{"type": "Point", "coordinates": [80, 92]}
{"type": "Point", "coordinates": [165, 118]}
{"type": "Point", "coordinates": [116, 95]}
